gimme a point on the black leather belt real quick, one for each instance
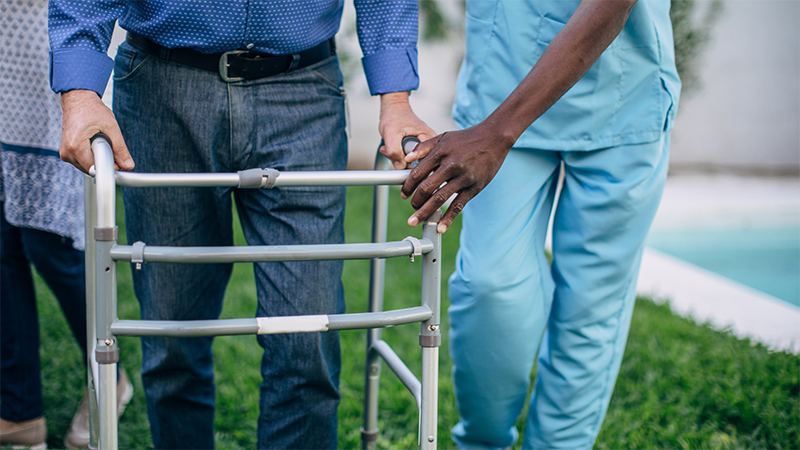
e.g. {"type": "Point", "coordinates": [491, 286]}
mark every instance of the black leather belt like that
{"type": "Point", "coordinates": [237, 65]}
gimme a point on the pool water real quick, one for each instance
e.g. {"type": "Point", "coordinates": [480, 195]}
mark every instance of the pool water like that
{"type": "Point", "coordinates": [764, 259]}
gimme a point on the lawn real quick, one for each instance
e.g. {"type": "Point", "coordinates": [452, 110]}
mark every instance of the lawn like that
{"type": "Point", "coordinates": [682, 384]}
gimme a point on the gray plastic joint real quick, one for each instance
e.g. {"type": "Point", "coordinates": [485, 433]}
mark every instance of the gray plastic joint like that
{"type": "Point", "coordinates": [430, 340]}
{"type": "Point", "coordinates": [137, 254]}
{"type": "Point", "coordinates": [369, 436]}
{"type": "Point", "coordinates": [417, 246]}
{"type": "Point", "coordinates": [257, 178]}
{"type": "Point", "coordinates": [271, 177]}
{"type": "Point", "coordinates": [109, 357]}
{"type": "Point", "coordinates": [106, 233]}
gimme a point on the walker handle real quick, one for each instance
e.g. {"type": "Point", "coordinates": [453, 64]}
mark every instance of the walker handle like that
{"type": "Point", "coordinates": [102, 136]}
{"type": "Point", "coordinates": [409, 143]}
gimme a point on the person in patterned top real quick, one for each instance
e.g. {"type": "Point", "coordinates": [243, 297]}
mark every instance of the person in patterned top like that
{"type": "Point", "coordinates": [41, 220]}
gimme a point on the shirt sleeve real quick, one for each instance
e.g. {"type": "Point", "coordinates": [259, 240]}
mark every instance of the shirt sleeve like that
{"type": "Point", "coordinates": [387, 32]}
{"type": "Point", "coordinates": [80, 33]}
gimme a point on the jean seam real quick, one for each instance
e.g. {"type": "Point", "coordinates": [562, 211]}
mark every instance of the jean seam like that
{"type": "Point", "coordinates": [249, 158]}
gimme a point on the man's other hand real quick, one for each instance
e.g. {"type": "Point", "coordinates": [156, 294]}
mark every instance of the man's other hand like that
{"type": "Point", "coordinates": [396, 122]}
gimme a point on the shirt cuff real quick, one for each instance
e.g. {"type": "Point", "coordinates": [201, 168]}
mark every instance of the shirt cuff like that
{"type": "Point", "coordinates": [78, 68]}
{"type": "Point", "coordinates": [391, 70]}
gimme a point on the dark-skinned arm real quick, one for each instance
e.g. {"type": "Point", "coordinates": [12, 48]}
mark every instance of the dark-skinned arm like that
{"type": "Point", "coordinates": [467, 160]}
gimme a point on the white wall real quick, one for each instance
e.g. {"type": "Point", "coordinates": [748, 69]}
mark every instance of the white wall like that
{"type": "Point", "coordinates": [747, 115]}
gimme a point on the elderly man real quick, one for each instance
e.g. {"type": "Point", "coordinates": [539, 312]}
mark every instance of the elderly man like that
{"type": "Point", "coordinates": [222, 87]}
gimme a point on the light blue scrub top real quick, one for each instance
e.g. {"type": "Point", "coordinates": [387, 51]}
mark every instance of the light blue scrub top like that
{"type": "Point", "coordinates": [629, 96]}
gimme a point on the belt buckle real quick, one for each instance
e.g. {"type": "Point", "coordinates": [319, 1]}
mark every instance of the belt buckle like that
{"type": "Point", "coordinates": [223, 66]}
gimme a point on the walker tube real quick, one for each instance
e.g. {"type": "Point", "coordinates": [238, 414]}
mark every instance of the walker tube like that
{"type": "Point", "coordinates": [91, 364]}
{"type": "Point", "coordinates": [400, 369]}
{"type": "Point", "coordinates": [106, 289]}
{"type": "Point", "coordinates": [290, 324]}
{"type": "Point", "coordinates": [430, 336]}
{"type": "Point", "coordinates": [310, 178]}
{"type": "Point", "coordinates": [261, 253]}
{"type": "Point", "coordinates": [377, 268]}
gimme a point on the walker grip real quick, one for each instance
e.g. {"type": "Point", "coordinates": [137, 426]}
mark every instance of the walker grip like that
{"type": "Point", "coordinates": [100, 136]}
{"type": "Point", "coordinates": [409, 143]}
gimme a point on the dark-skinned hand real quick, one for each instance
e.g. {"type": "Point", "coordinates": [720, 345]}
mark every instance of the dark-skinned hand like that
{"type": "Point", "coordinates": [467, 160]}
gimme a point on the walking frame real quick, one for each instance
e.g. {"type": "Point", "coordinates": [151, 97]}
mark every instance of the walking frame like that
{"type": "Point", "coordinates": [103, 252]}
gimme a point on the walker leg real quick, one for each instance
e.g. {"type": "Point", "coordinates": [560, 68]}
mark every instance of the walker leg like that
{"type": "Point", "coordinates": [108, 406]}
{"type": "Point", "coordinates": [430, 402]}
{"type": "Point", "coordinates": [372, 376]}
{"type": "Point", "coordinates": [106, 352]}
{"type": "Point", "coordinates": [91, 337]}
{"type": "Point", "coordinates": [430, 337]}
{"type": "Point", "coordinates": [369, 430]}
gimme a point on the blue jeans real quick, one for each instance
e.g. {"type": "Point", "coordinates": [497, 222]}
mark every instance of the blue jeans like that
{"type": "Point", "coordinates": [506, 298]}
{"type": "Point", "coordinates": [180, 119]}
{"type": "Point", "coordinates": [62, 267]}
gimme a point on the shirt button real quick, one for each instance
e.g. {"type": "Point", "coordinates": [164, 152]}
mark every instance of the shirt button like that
{"type": "Point", "coordinates": [249, 46]}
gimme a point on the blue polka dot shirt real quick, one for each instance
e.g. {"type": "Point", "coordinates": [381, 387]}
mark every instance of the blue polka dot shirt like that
{"type": "Point", "coordinates": [80, 33]}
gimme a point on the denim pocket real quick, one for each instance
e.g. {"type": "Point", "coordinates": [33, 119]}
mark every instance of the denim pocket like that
{"type": "Point", "coordinates": [328, 71]}
{"type": "Point", "coordinates": [128, 62]}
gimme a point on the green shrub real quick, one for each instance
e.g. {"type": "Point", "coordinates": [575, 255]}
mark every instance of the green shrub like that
{"type": "Point", "coordinates": [692, 33]}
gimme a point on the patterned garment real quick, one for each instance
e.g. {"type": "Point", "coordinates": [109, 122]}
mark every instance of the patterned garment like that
{"type": "Point", "coordinates": [80, 32]}
{"type": "Point", "coordinates": [38, 189]}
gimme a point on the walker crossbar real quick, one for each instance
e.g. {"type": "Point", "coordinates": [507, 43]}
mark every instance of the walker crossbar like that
{"type": "Point", "coordinates": [270, 325]}
{"type": "Point", "coordinates": [262, 253]}
{"type": "Point", "coordinates": [103, 252]}
{"type": "Point", "coordinates": [311, 178]}
{"type": "Point", "coordinates": [409, 380]}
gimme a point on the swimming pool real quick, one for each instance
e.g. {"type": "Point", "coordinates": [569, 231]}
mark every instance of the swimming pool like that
{"type": "Point", "coordinates": [767, 259]}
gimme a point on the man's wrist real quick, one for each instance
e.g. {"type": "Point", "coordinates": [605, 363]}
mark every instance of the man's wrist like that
{"type": "Point", "coordinates": [393, 98]}
{"type": "Point", "coordinates": [78, 95]}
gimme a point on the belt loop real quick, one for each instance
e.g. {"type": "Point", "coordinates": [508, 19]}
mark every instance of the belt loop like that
{"type": "Point", "coordinates": [294, 63]}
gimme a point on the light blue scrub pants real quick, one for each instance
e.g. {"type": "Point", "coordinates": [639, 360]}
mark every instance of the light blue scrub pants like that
{"type": "Point", "coordinates": [506, 298]}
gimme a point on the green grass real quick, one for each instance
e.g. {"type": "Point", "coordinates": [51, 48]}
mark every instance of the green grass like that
{"type": "Point", "coordinates": [687, 386]}
{"type": "Point", "coordinates": [682, 385]}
